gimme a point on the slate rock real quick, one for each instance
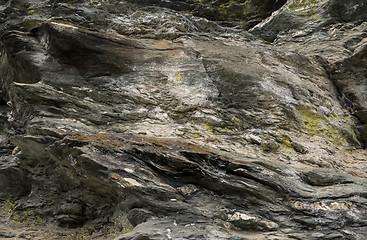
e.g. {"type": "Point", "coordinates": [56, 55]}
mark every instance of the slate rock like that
{"type": "Point", "coordinates": [166, 120]}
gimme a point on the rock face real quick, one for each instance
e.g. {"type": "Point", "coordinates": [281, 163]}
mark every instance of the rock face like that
{"type": "Point", "coordinates": [168, 120]}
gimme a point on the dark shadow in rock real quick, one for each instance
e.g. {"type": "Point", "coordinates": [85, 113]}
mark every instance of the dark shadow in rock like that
{"type": "Point", "coordinates": [20, 53]}
{"type": "Point", "coordinates": [139, 215]}
{"type": "Point", "coordinates": [227, 13]}
{"type": "Point", "coordinates": [91, 52]}
{"type": "Point", "coordinates": [347, 11]}
{"type": "Point", "coordinates": [14, 182]}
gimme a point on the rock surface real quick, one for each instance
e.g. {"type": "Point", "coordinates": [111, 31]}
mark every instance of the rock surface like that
{"type": "Point", "coordinates": [169, 120]}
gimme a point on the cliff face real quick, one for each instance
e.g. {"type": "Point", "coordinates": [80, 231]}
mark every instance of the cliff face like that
{"type": "Point", "coordinates": [183, 119]}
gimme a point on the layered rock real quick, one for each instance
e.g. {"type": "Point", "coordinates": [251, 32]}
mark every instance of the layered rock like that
{"type": "Point", "coordinates": [318, 28]}
{"type": "Point", "coordinates": [155, 124]}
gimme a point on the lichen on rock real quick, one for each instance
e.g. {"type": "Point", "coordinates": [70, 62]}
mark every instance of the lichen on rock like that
{"type": "Point", "coordinates": [168, 120]}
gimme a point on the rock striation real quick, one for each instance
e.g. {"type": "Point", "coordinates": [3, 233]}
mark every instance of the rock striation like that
{"type": "Point", "coordinates": [183, 119]}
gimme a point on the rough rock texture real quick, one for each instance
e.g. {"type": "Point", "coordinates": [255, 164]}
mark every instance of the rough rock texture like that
{"type": "Point", "coordinates": [167, 120]}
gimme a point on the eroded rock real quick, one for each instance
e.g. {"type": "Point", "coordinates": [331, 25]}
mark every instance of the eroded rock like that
{"type": "Point", "coordinates": [151, 123]}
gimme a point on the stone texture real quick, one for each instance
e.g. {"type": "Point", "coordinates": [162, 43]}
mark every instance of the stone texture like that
{"type": "Point", "coordinates": [167, 120]}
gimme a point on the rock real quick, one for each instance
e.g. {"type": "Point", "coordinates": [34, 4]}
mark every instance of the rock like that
{"type": "Point", "coordinates": [167, 120]}
{"type": "Point", "coordinates": [318, 177]}
{"type": "Point", "coordinates": [14, 180]}
{"type": "Point", "coordinates": [362, 131]}
{"type": "Point", "coordinates": [298, 147]}
{"type": "Point", "coordinates": [248, 13]}
{"type": "Point", "coordinates": [70, 214]}
{"type": "Point", "coordinates": [137, 216]}
{"type": "Point", "coordinates": [246, 222]}
{"type": "Point", "coordinates": [362, 115]}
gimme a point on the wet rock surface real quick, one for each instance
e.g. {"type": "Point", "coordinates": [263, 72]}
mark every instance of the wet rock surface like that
{"type": "Point", "coordinates": [168, 120]}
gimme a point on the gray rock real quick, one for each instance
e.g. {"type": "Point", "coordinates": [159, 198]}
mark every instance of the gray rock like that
{"type": "Point", "coordinates": [139, 215]}
{"type": "Point", "coordinates": [14, 181]}
{"type": "Point", "coordinates": [137, 121]}
{"type": "Point", "coordinates": [321, 177]}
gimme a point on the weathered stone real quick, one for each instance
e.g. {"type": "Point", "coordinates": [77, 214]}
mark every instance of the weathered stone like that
{"type": "Point", "coordinates": [139, 215]}
{"type": "Point", "coordinates": [14, 182]}
{"type": "Point", "coordinates": [248, 13]}
{"type": "Point", "coordinates": [318, 177]}
{"type": "Point", "coordinates": [246, 222]}
{"type": "Point", "coordinates": [362, 115]}
{"type": "Point", "coordinates": [144, 120]}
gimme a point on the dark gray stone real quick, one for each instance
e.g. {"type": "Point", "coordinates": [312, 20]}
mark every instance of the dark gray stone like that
{"type": "Point", "coordinates": [166, 120]}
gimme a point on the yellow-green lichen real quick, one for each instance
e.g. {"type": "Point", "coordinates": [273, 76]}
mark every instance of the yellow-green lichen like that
{"type": "Point", "coordinates": [285, 143]}
{"type": "Point", "coordinates": [235, 10]}
{"type": "Point", "coordinates": [26, 219]}
{"type": "Point", "coordinates": [226, 130]}
{"type": "Point", "coordinates": [196, 135]}
{"type": "Point", "coordinates": [230, 9]}
{"type": "Point", "coordinates": [121, 225]}
{"type": "Point", "coordinates": [317, 124]}
{"type": "Point", "coordinates": [208, 128]}
{"type": "Point", "coordinates": [178, 77]}
{"type": "Point", "coordinates": [176, 81]}
{"type": "Point", "coordinates": [10, 205]}
{"type": "Point", "coordinates": [305, 8]}
{"type": "Point", "coordinates": [84, 234]}
{"type": "Point", "coordinates": [220, 130]}
{"type": "Point", "coordinates": [95, 3]}
{"type": "Point", "coordinates": [236, 120]}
